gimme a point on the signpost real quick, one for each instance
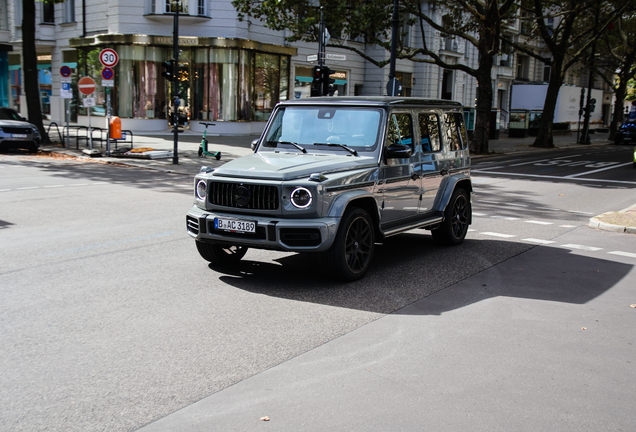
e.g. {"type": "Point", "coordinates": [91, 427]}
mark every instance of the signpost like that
{"type": "Point", "coordinates": [86, 86]}
{"type": "Point", "coordinates": [108, 57]}
{"type": "Point", "coordinates": [66, 93]}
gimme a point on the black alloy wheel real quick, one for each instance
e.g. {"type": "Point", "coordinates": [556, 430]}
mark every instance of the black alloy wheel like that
{"type": "Point", "coordinates": [456, 220]}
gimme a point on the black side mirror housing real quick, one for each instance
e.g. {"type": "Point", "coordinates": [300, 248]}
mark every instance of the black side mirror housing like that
{"type": "Point", "coordinates": [399, 151]}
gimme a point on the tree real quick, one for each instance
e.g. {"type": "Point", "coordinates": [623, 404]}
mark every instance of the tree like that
{"type": "Point", "coordinates": [477, 21]}
{"type": "Point", "coordinates": [567, 28]}
{"type": "Point", "coordinates": [30, 65]}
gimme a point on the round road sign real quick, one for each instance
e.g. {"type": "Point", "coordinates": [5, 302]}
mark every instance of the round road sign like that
{"type": "Point", "coordinates": [86, 85]}
{"type": "Point", "coordinates": [65, 71]}
{"type": "Point", "coordinates": [108, 57]}
{"type": "Point", "coordinates": [107, 73]}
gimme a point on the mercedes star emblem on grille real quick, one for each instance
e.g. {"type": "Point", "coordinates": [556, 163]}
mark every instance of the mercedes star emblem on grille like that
{"type": "Point", "coordinates": [242, 196]}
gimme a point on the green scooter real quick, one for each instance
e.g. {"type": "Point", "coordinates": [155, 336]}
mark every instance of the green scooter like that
{"type": "Point", "coordinates": [203, 148]}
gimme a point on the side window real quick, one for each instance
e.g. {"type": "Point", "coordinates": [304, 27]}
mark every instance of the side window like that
{"type": "Point", "coordinates": [400, 130]}
{"type": "Point", "coordinates": [429, 130]}
{"type": "Point", "coordinates": [455, 131]}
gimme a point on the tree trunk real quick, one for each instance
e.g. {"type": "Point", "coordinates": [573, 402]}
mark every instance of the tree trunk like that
{"type": "Point", "coordinates": [479, 144]}
{"type": "Point", "coordinates": [617, 118]}
{"type": "Point", "coordinates": [544, 136]}
{"type": "Point", "coordinates": [30, 67]}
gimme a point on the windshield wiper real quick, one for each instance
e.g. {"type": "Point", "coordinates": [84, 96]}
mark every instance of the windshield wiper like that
{"type": "Point", "coordinates": [299, 147]}
{"type": "Point", "coordinates": [344, 146]}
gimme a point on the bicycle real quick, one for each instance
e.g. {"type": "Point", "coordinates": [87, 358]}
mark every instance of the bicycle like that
{"type": "Point", "coordinates": [203, 147]}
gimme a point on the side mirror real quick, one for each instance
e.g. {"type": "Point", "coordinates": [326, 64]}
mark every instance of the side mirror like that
{"type": "Point", "coordinates": [254, 144]}
{"type": "Point", "coordinates": [23, 119]}
{"type": "Point", "coordinates": [399, 151]}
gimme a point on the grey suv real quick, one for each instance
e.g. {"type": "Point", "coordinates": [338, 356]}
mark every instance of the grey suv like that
{"type": "Point", "coordinates": [336, 175]}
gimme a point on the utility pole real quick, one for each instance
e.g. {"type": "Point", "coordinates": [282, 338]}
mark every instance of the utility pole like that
{"type": "Point", "coordinates": [321, 39]}
{"type": "Point", "coordinates": [175, 84]}
{"type": "Point", "coordinates": [585, 135]}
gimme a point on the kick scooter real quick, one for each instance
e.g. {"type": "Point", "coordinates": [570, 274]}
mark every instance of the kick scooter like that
{"type": "Point", "coordinates": [203, 148]}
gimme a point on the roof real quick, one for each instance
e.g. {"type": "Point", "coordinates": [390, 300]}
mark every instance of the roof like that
{"type": "Point", "coordinates": [373, 101]}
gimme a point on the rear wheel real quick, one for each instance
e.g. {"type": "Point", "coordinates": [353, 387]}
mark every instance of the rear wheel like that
{"type": "Point", "coordinates": [218, 254]}
{"type": "Point", "coordinates": [350, 255]}
{"type": "Point", "coordinates": [456, 217]}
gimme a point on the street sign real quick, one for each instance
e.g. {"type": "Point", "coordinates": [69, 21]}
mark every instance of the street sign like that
{"type": "Point", "coordinates": [86, 85]}
{"type": "Point", "coordinates": [337, 57]}
{"type": "Point", "coordinates": [89, 102]}
{"type": "Point", "coordinates": [65, 71]}
{"type": "Point", "coordinates": [108, 57]}
{"type": "Point", "coordinates": [107, 73]}
{"type": "Point", "coordinates": [66, 92]}
{"type": "Point", "coordinates": [312, 58]}
{"type": "Point", "coordinates": [108, 83]}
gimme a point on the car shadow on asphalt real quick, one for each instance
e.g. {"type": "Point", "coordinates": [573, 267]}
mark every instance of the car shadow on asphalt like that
{"type": "Point", "coordinates": [410, 267]}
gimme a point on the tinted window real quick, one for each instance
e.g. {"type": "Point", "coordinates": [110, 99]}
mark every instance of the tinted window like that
{"type": "Point", "coordinates": [455, 131]}
{"type": "Point", "coordinates": [429, 130]}
{"type": "Point", "coordinates": [9, 114]}
{"type": "Point", "coordinates": [400, 130]}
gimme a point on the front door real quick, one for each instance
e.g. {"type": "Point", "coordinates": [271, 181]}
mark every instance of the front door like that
{"type": "Point", "coordinates": [400, 177]}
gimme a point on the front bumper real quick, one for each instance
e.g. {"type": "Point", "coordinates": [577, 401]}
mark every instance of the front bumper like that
{"type": "Point", "coordinates": [290, 235]}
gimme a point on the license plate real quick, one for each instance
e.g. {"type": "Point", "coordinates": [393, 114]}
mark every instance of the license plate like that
{"type": "Point", "coordinates": [234, 225]}
{"type": "Point", "coordinates": [18, 136]}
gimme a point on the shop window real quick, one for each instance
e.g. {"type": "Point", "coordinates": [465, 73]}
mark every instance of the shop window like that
{"type": "Point", "coordinates": [266, 84]}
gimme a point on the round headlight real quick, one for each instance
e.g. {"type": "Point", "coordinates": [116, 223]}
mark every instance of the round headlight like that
{"type": "Point", "coordinates": [301, 197]}
{"type": "Point", "coordinates": [202, 189]}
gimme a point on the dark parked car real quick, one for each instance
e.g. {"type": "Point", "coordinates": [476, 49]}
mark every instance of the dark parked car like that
{"type": "Point", "coordinates": [626, 133]}
{"type": "Point", "coordinates": [16, 132]}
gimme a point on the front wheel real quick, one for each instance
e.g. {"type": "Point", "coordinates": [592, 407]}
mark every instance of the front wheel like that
{"type": "Point", "coordinates": [456, 220]}
{"type": "Point", "coordinates": [218, 254]}
{"type": "Point", "coordinates": [350, 256]}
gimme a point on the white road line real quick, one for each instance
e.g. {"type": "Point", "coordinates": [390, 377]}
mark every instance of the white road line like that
{"type": "Point", "coordinates": [567, 226]}
{"type": "Point", "coordinates": [498, 235]}
{"type": "Point", "coordinates": [54, 186]}
{"type": "Point", "coordinates": [598, 170]}
{"type": "Point", "coordinates": [549, 208]}
{"type": "Point", "coordinates": [556, 177]}
{"type": "Point", "coordinates": [479, 214]}
{"type": "Point", "coordinates": [5, 190]}
{"type": "Point", "coordinates": [471, 230]}
{"type": "Point", "coordinates": [539, 241]}
{"type": "Point", "coordinates": [538, 222]}
{"type": "Point", "coordinates": [504, 217]}
{"type": "Point", "coordinates": [626, 254]}
{"type": "Point", "coordinates": [580, 212]}
{"type": "Point", "coordinates": [25, 188]}
{"type": "Point", "coordinates": [531, 162]}
{"type": "Point", "coordinates": [495, 167]}
{"type": "Point", "coordinates": [516, 205]}
{"type": "Point", "coordinates": [581, 247]}
{"type": "Point", "coordinates": [79, 184]}
{"type": "Point", "coordinates": [489, 201]}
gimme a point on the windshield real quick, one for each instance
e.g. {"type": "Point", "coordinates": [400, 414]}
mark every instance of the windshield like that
{"type": "Point", "coordinates": [312, 127]}
{"type": "Point", "coordinates": [9, 114]}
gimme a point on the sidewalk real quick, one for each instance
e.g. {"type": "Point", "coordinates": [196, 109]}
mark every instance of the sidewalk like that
{"type": "Point", "coordinates": [232, 147]}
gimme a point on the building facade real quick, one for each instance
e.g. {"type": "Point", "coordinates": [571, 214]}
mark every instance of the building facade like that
{"type": "Point", "coordinates": [231, 72]}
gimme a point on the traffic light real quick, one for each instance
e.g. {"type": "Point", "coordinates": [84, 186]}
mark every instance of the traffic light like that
{"type": "Point", "coordinates": [592, 105]}
{"type": "Point", "coordinates": [327, 83]}
{"type": "Point", "coordinates": [316, 83]}
{"type": "Point", "coordinates": [170, 73]}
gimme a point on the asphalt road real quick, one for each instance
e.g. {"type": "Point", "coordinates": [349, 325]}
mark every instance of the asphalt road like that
{"type": "Point", "coordinates": [112, 321]}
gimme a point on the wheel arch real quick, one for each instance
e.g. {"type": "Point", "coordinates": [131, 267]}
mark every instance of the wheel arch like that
{"type": "Point", "coordinates": [462, 182]}
{"type": "Point", "coordinates": [359, 199]}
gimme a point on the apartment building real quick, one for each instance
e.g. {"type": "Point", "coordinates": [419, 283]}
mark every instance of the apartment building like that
{"type": "Point", "coordinates": [231, 72]}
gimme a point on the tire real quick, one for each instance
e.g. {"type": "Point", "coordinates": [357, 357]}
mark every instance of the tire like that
{"type": "Point", "coordinates": [350, 256]}
{"type": "Point", "coordinates": [218, 156]}
{"type": "Point", "coordinates": [200, 151]}
{"type": "Point", "coordinates": [456, 216]}
{"type": "Point", "coordinates": [33, 148]}
{"type": "Point", "coordinates": [218, 254]}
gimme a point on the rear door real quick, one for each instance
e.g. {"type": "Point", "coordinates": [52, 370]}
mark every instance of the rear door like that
{"type": "Point", "coordinates": [432, 158]}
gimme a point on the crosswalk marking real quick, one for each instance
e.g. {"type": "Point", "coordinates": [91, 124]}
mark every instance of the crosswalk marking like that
{"type": "Point", "coordinates": [581, 247]}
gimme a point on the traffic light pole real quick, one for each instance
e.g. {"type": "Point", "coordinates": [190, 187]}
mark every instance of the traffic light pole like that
{"type": "Point", "coordinates": [321, 40]}
{"type": "Point", "coordinates": [585, 136]}
{"type": "Point", "coordinates": [175, 85]}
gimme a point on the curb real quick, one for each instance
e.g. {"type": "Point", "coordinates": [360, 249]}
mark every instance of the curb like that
{"type": "Point", "coordinates": [598, 224]}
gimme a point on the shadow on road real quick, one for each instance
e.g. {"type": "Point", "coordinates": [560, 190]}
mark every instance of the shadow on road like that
{"type": "Point", "coordinates": [410, 267]}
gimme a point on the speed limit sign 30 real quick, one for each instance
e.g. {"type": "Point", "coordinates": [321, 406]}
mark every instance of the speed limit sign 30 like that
{"type": "Point", "coordinates": [108, 57]}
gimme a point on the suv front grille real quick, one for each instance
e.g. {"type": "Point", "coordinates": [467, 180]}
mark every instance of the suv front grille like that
{"type": "Point", "coordinates": [17, 130]}
{"type": "Point", "coordinates": [257, 197]}
{"type": "Point", "coordinates": [192, 224]}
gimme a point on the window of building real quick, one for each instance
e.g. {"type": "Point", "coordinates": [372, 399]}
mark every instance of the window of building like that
{"type": "Point", "coordinates": [523, 67]}
{"type": "Point", "coordinates": [447, 85]}
{"type": "Point", "coordinates": [407, 82]}
{"type": "Point", "coordinates": [201, 7]}
{"type": "Point", "coordinates": [4, 16]}
{"type": "Point", "coordinates": [17, 9]}
{"type": "Point", "coordinates": [429, 131]}
{"type": "Point", "coordinates": [267, 84]}
{"type": "Point", "coordinates": [68, 11]}
{"type": "Point", "coordinates": [171, 6]}
{"type": "Point", "coordinates": [48, 13]}
{"type": "Point", "coordinates": [400, 130]}
{"type": "Point", "coordinates": [303, 77]}
{"type": "Point", "coordinates": [546, 73]}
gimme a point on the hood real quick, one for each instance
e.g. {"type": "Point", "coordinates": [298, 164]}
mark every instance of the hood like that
{"type": "Point", "coordinates": [288, 166]}
{"type": "Point", "coordinates": [16, 123]}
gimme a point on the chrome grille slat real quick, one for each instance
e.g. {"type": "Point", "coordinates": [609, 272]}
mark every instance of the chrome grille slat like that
{"type": "Point", "coordinates": [263, 197]}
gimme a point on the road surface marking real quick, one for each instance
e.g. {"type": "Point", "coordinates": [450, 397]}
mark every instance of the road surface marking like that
{"type": "Point", "coordinates": [567, 226]}
{"type": "Point", "coordinates": [479, 214]}
{"type": "Point", "coordinates": [504, 217]}
{"type": "Point", "coordinates": [616, 165]}
{"type": "Point", "coordinates": [539, 241]}
{"type": "Point", "coordinates": [498, 235]}
{"type": "Point", "coordinates": [516, 205]}
{"type": "Point", "coordinates": [54, 186]}
{"type": "Point", "coordinates": [581, 247]}
{"type": "Point", "coordinates": [538, 222]}
{"type": "Point", "coordinates": [626, 254]}
{"type": "Point", "coordinates": [25, 188]}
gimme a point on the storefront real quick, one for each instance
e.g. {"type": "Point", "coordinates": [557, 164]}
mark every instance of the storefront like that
{"type": "Point", "coordinates": [229, 81]}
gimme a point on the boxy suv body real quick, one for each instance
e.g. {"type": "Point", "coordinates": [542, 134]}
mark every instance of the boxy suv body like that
{"type": "Point", "coordinates": [335, 176]}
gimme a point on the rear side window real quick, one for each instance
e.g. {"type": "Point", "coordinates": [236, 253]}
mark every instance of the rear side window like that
{"type": "Point", "coordinates": [455, 131]}
{"type": "Point", "coordinates": [400, 130]}
{"type": "Point", "coordinates": [429, 131]}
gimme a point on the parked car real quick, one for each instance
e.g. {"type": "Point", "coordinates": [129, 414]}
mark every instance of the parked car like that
{"type": "Point", "coordinates": [336, 175]}
{"type": "Point", "coordinates": [16, 132]}
{"type": "Point", "coordinates": [626, 132]}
